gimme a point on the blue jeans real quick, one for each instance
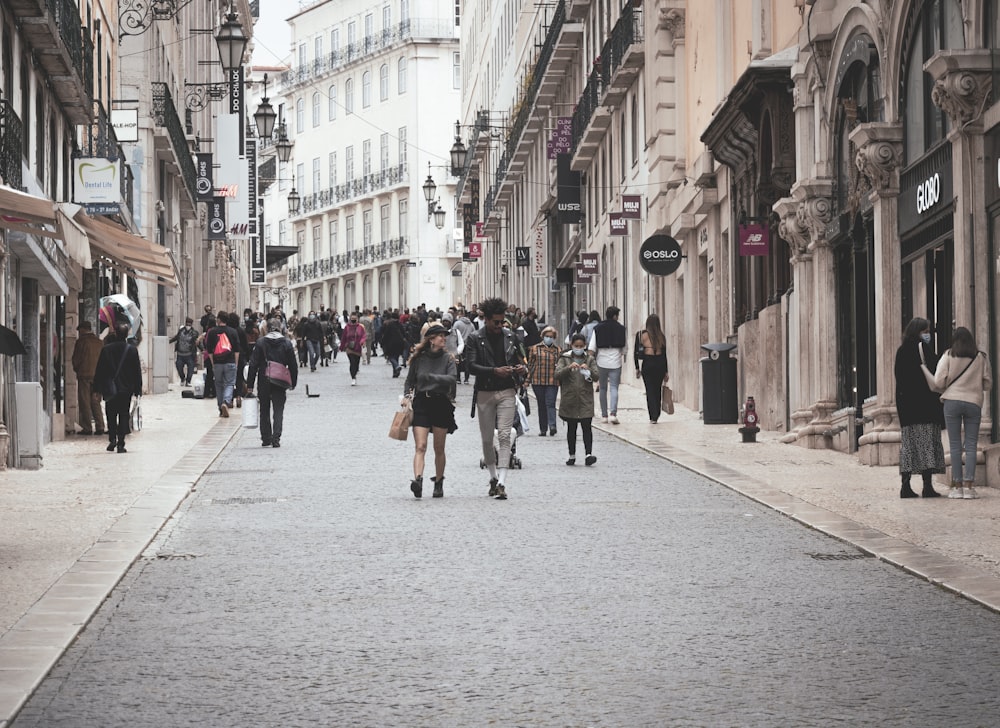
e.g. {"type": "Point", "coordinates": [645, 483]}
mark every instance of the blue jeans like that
{"type": "Point", "coordinates": [609, 380]}
{"type": "Point", "coordinates": [545, 396]}
{"type": "Point", "coordinates": [225, 382]}
{"type": "Point", "coordinates": [955, 415]}
{"type": "Point", "coordinates": [314, 348]}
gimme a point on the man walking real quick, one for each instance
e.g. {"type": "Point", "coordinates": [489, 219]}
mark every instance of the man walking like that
{"type": "Point", "coordinates": [312, 332]}
{"type": "Point", "coordinates": [222, 342]}
{"type": "Point", "coordinates": [495, 358]}
{"type": "Point", "coordinates": [119, 377]}
{"type": "Point", "coordinates": [86, 352]}
{"type": "Point", "coordinates": [276, 347]}
{"type": "Point", "coordinates": [608, 344]}
{"type": "Point", "coordinates": [185, 343]}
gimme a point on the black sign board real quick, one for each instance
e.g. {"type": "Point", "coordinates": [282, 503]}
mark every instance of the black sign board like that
{"type": "Point", "coordinates": [926, 194]}
{"type": "Point", "coordinates": [204, 186]}
{"type": "Point", "coordinates": [568, 207]}
{"type": "Point", "coordinates": [660, 255]}
{"type": "Point", "coordinates": [217, 218]}
{"type": "Point", "coordinates": [237, 102]}
{"type": "Point", "coordinates": [522, 257]}
{"type": "Point", "coordinates": [468, 223]}
{"type": "Point", "coordinates": [992, 164]}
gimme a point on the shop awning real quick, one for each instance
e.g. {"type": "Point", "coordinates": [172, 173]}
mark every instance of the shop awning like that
{"type": "Point", "coordinates": [120, 249]}
{"type": "Point", "coordinates": [277, 254]}
{"type": "Point", "coordinates": [28, 214]}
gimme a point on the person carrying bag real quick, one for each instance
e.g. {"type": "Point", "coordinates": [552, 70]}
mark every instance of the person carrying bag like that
{"type": "Point", "coordinates": [273, 360]}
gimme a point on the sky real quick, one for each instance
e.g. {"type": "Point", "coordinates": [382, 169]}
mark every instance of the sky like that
{"type": "Point", "coordinates": [271, 33]}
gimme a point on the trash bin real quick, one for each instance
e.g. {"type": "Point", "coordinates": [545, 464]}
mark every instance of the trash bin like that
{"type": "Point", "coordinates": [718, 381]}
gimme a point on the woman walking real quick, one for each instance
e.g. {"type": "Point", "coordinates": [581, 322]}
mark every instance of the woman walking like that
{"type": "Point", "coordinates": [963, 375]}
{"type": "Point", "coordinates": [650, 351]}
{"type": "Point", "coordinates": [430, 386]}
{"type": "Point", "coordinates": [542, 359]}
{"type": "Point", "coordinates": [353, 344]}
{"type": "Point", "coordinates": [920, 415]}
{"type": "Point", "coordinates": [576, 372]}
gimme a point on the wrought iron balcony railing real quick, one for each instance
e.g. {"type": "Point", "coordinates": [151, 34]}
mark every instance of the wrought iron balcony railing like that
{"type": "Point", "coordinates": [367, 185]}
{"type": "Point", "coordinates": [369, 255]}
{"type": "Point", "coordinates": [165, 114]}
{"type": "Point", "coordinates": [11, 141]}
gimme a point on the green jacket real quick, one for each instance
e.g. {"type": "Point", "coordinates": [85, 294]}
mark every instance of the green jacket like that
{"type": "Point", "coordinates": [576, 400]}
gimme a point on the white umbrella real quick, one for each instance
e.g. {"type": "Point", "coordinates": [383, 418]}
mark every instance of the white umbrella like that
{"type": "Point", "coordinates": [126, 305]}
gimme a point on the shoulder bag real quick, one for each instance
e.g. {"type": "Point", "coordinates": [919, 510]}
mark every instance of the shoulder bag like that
{"type": "Point", "coordinates": [276, 373]}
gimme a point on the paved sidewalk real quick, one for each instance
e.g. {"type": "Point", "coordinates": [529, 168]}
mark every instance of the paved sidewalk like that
{"type": "Point", "coordinates": [72, 529]}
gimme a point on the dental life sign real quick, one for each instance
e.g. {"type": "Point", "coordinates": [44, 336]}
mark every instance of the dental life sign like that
{"type": "Point", "coordinates": [97, 181]}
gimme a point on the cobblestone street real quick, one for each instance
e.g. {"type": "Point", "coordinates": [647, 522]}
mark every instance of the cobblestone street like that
{"type": "Point", "coordinates": [306, 586]}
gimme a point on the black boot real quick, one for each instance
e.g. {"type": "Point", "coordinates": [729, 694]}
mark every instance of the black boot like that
{"type": "Point", "coordinates": [438, 487]}
{"type": "Point", "coordinates": [905, 491]}
{"type": "Point", "coordinates": [928, 491]}
{"type": "Point", "coordinates": [417, 486]}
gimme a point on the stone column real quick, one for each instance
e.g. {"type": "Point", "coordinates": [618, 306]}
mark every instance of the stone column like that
{"type": "Point", "coordinates": [879, 156]}
{"type": "Point", "coordinates": [800, 387]}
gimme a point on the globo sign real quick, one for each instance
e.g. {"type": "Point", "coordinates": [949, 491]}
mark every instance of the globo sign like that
{"type": "Point", "coordinates": [660, 255]}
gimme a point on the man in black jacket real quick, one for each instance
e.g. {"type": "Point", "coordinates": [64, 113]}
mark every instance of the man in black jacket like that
{"type": "Point", "coordinates": [276, 347]}
{"type": "Point", "coordinates": [495, 358]}
{"type": "Point", "coordinates": [118, 376]}
{"type": "Point", "coordinates": [312, 332]}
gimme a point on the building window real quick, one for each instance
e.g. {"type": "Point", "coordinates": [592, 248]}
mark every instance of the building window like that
{"type": "Point", "coordinates": [386, 19]}
{"type": "Point", "coordinates": [366, 157]}
{"type": "Point", "coordinates": [283, 232]}
{"type": "Point", "coordinates": [317, 105]}
{"type": "Point", "coordinates": [384, 223]}
{"type": "Point", "coordinates": [404, 11]}
{"type": "Point", "coordinates": [300, 116]}
{"type": "Point", "coordinates": [334, 40]}
{"type": "Point", "coordinates": [282, 176]}
{"type": "Point", "coordinates": [302, 55]}
{"type": "Point", "coordinates": [384, 152]}
{"type": "Point", "coordinates": [369, 29]}
{"type": "Point", "coordinates": [300, 240]}
{"type": "Point", "coordinates": [635, 130]}
{"type": "Point", "coordinates": [349, 96]}
{"type": "Point", "coordinates": [366, 89]}
{"type": "Point", "coordinates": [349, 232]}
{"type": "Point", "coordinates": [456, 70]}
{"type": "Point", "coordinates": [332, 103]}
{"type": "Point", "coordinates": [401, 81]}
{"type": "Point", "coordinates": [267, 235]}
{"type": "Point", "coordinates": [318, 48]}
{"type": "Point", "coordinates": [622, 151]}
{"type": "Point", "coordinates": [317, 184]}
{"type": "Point", "coordinates": [317, 242]}
{"type": "Point", "coordinates": [352, 36]}
{"type": "Point", "coordinates": [403, 207]}
{"type": "Point", "coordinates": [367, 231]}
{"type": "Point", "coordinates": [383, 83]}
{"type": "Point", "coordinates": [402, 146]}
{"type": "Point", "coordinates": [333, 170]}
{"type": "Point", "coordinates": [333, 236]}
{"type": "Point", "coordinates": [349, 163]}
{"type": "Point", "coordinates": [300, 177]}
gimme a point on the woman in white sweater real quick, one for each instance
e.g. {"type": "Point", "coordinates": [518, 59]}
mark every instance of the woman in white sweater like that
{"type": "Point", "coordinates": [962, 376]}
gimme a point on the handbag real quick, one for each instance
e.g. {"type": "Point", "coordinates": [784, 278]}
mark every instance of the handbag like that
{"type": "Point", "coordinates": [667, 400]}
{"type": "Point", "coordinates": [277, 374]}
{"type": "Point", "coordinates": [401, 421]}
{"type": "Point", "coordinates": [525, 400]}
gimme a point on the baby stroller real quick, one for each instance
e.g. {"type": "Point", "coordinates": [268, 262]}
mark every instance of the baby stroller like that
{"type": "Point", "coordinates": [520, 427]}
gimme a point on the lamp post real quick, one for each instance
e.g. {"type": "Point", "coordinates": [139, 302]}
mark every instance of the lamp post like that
{"type": "Point", "coordinates": [459, 153]}
{"type": "Point", "coordinates": [283, 146]}
{"type": "Point", "coordinates": [265, 115]}
{"type": "Point", "coordinates": [232, 42]}
{"type": "Point", "coordinates": [293, 202]}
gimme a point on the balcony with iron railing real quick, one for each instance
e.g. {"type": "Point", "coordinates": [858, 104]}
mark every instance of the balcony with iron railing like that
{"type": "Point", "coordinates": [613, 73]}
{"type": "Point", "coordinates": [352, 260]}
{"type": "Point", "coordinates": [363, 49]}
{"type": "Point", "coordinates": [62, 47]}
{"type": "Point", "coordinates": [165, 115]}
{"type": "Point", "coordinates": [369, 184]}
{"type": "Point", "coordinates": [11, 140]}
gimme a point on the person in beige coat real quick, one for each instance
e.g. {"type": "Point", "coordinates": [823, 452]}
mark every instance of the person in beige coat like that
{"type": "Point", "coordinates": [963, 376]}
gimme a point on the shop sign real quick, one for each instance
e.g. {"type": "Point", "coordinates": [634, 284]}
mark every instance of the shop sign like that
{"type": "Point", "coordinates": [587, 267]}
{"type": "Point", "coordinates": [539, 264]}
{"type": "Point", "coordinates": [96, 180]}
{"type": "Point", "coordinates": [475, 250]}
{"type": "Point", "coordinates": [126, 124]}
{"type": "Point", "coordinates": [568, 204]}
{"type": "Point", "coordinates": [927, 194]}
{"type": "Point", "coordinates": [754, 239]}
{"type": "Point", "coordinates": [522, 256]}
{"type": "Point", "coordinates": [217, 219]}
{"type": "Point", "coordinates": [632, 207]}
{"type": "Point", "coordinates": [660, 255]}
{"type": "Point", "coordinates": [203, 182]}
{"type": "Point", "coordinates": [619, 225]}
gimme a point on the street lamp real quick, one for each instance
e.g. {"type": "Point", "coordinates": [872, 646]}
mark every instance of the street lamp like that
{"type": "Point", "coordinates": [293, 202]}
{"type": "Point", "coordinates": [265, 115]}
{"type": "Point", "coordinates": [283, 146]}
{"type": "Point", "coordinates": [458, 152]}
{"type": "Point", "coordinates": [429, 190]}
{"type": "Point", "coordinates": [439, 215]}
{"type": "Point", "coordinates": [232, 42]}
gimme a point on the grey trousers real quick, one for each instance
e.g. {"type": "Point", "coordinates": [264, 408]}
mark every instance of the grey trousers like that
{"type": "Point", "coordinates": [496, 410]}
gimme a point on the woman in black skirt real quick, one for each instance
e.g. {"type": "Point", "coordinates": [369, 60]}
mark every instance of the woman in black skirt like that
{"type": "Point", "coordinates": [921, 416]}
{"type": "Point", "coordinates": [650, 351]}
{"type": "Point", "coordinates": [430, 389]}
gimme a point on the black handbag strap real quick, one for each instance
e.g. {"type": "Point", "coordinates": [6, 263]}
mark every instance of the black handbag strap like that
{"type": "Point", "coordinates": [966, 369]}
{"type": "Point", "coordinates": [121, 363]}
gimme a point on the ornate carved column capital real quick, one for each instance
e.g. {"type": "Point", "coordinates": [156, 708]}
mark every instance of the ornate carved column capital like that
{"type": "Point", "coordinates": [963, 80]}
{"type": "Point", "coordinates": [791, 228]}
{"type": "Point", "coordinates": [814, 214]}
{"type": "Point", "coordinates": [879, 155]}
{"type": "Point", "coordinates": [670, 19]}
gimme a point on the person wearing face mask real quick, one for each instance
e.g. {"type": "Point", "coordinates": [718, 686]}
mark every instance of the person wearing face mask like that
{"type": "Point", "coordinates": [312, 332]}
{"type": "Point", "coordinates": [542, 359]}
{"type": "Point", "coordinates": [921, 417]}
{"type": "Point", "coordinates": [576, 372]}
{"type": "Point", "coordinates": [185, 343]}
{"type": "Point", "coordinates": [352, 343]}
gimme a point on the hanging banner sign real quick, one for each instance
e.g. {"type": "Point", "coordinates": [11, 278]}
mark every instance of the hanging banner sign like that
{"type": "Point", "coordinates": [561, 141]}
{"type": "Point", "coordinates": [522, 256]}
{"type": "Point", "coordinates": [568, 206]}
{"type": "Point", "coordinates": [237, 102]}
{"type": "Point", "coordinates": [660, 255]}
{"type": "Point", "coordinates": [203, 182]}
{"type": "Point", "coordinates": [632, 207]}
{"type": "Point", "coordinates": [754, 240]}
{"type": "Point", "coordinates": [475, 250]}
{"type": "Point", "coordinates": [539, 264]}
{"type": "Point", "coordinates": [96, 181]}
{"type": "Point", "coordinates": [619, 225]}
{"type": "Point", "coordinates": [126, 124]}
{"type": "Point", "coordinates": [217, 219]}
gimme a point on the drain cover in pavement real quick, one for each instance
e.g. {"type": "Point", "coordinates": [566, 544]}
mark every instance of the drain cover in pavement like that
{"type": "Point", "coordinates": [840, 557]}
{"type": "Point", "coordinates": [240, 501]}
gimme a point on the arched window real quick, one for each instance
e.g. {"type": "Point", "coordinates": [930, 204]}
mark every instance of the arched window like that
{"type": "Point", "coordinates": [936, 26]}
{"type": "Point", "coordinates": [383, 83]}
{"type": "Point", "coordinates": [300, 116]}
{"type": "Point", "coordinates": [349, 96]}
{"type": "Point", "coordinates": [332, 103]}
{"type": "Point", "coordinates": [401, 81]}
{"type": "Point", "coordinates": [366, 89]}
{"type": "Point", "coordinates": [316, 106]}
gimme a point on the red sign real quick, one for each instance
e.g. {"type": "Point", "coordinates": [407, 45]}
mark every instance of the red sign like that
{"type": "Point", "coordinates": [475, 249]}
{"type": "Point", "coordinates": [632, 207]}
{"type": "Point", "coordinates": [755, 240]}
{"type": "Point", "coordinates": [619, 224]}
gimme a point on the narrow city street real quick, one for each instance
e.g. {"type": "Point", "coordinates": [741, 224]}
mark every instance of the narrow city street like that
{"type": "Point", "coordinates": [307, 587]}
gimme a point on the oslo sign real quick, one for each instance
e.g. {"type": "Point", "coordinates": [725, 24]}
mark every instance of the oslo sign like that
{"type": "Point", "coordinates": [660, 255]}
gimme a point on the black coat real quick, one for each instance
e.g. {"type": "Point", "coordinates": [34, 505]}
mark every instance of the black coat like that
{"type": "Point", "coordinates": [394, 341]}
{"type": "Point", "coordinates": [915, 402]}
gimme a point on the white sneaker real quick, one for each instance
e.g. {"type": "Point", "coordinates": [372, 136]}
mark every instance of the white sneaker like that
{"type": "Point", "coordinates": [969, 493]}
{"type": "Point", "coordinates": [353, 382]}
{"type": "Point", "coordinates": [614, 419]}
{"type": "Point", "coordinates": [604, 420]}
{"type": "Point", "coordinates": [955, 491]}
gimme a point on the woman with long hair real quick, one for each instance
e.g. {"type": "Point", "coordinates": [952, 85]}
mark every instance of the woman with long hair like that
{"type": "Point", "coordinates": [430, 389]}
{"type": "Point", "coordinates": [650, 352]}
{"type": "Point", "coordinates": [920, 416]}
{"type": "Point", "coordinates": [963, 376]}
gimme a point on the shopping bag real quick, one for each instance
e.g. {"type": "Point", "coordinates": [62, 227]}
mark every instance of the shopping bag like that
{"type": "Point", "coordinates": [400, 428]}
{"type": "Point", "coordinates": [251, 412]}
{"type": "Point", "coordinates": [525, 400]}
{"type": "Point", "coordinates": [667, 400]}
{"type": "Point", "coordinates": [521, 423]}
{"type": "Point", "coordinates": [135, 414]}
